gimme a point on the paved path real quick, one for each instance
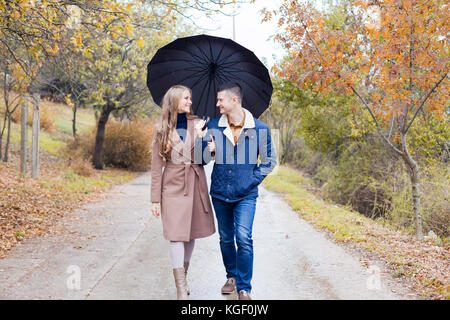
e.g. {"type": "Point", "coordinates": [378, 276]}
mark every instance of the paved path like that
{"type": "Point", "coordinates": [114, 249]}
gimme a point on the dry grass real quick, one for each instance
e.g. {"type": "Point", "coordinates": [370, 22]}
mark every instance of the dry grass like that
{"type": "Point", "coordinates": [47, 116]}
{"type": "Point", "coordinates": [126, 145]}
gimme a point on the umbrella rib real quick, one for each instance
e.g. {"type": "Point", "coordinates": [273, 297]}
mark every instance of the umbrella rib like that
{"type": "Point", "coordinates": [215, 90]}
{"type": "Point", "coordinates": [183, 60]}
{"type": "Point", "coordinates": [200, 79]}
{"type": "Point", "coordinates": [221, 50]}
{"type": "Point", "coordinates": [251, 74]}
{"type": "Point", "coordinates": [190, 52]}
{"type": "Point", "coordinates": [221, 75]}
{"type": "Point", "coordinates": [180, 81]}
{"type": "Point", "coordinates": [201, 98]}
{"type": "Point", "coordinates": [233, 53]}
{"type": "Point", "coordinates": [205, 56]}
{"type": "Point", "coordinates": [210, 51]}
{"type": "Point", "coordinates": [209, 87]}
{"type": "Point", "coordinates": [172, 71]}
{"type": "Point", "coordinates": [232, 63]}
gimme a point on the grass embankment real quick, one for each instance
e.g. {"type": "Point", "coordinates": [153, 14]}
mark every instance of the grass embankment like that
{"type": "Point", "coordinates": [31, 207]}
{"type": "Point", "coordinates": [424, 263]}
{"type": "Point", "coordinates": [53, 141]}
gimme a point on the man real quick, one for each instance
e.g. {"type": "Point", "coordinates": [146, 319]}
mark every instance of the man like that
{"type": "Point", "coordinates": [237, 140]}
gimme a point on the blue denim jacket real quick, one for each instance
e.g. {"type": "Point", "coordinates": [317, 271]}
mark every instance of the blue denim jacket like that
{"type": "Point", "coordinates": [236, 174]}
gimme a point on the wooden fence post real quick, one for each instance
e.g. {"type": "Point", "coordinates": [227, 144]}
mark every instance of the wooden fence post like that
{"type": "Point", "coordinates": [35, 130]}
{"type": "Point", "coordinates": [24, 139]}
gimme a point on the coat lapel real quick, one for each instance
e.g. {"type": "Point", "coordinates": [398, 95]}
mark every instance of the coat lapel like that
{"type": "Point", "coordinates": [184, 149]}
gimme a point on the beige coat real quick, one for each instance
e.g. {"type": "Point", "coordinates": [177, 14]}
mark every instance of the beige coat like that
{"type": "Point", "coordinates": [182, 190]}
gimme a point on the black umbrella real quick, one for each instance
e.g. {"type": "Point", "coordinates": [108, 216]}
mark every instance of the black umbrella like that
{"type": "Point", "coordinates": [203, 63]}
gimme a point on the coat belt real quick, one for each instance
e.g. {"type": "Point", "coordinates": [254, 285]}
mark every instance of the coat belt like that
{"type": "Point", "coordinates": [202, 186]}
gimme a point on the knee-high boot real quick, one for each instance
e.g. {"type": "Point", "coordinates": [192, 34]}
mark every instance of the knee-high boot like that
{"type": "Point", "coordinates": [186, 267]}
{"type": "Point", "coordinates": [180, 282]}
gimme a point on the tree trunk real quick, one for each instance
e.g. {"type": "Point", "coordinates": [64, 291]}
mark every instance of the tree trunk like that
{"type": "Point", "coordinates": [286, 141]}
{"type": "Point", "coordinates": [283, 146]}
{"type": "Point", "coordinates": [100, 137]}
{"type": "Point", "coordinates": [74, 120]}
{"type": "Point", "coordinates": [414, 174]}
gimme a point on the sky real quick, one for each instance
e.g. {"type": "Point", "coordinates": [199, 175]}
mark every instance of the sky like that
{"type": "Point", "coordinates": [250, 31]}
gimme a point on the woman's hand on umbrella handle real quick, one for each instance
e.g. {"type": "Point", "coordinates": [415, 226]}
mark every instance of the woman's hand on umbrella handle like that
{"type": "Point", "coordinates": [212, 144]}
{"type": "Point", "coordinates": [155, 209]}
{"type": "Point", "coordinates": [198, 129]}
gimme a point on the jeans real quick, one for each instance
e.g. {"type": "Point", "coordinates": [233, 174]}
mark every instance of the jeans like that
{"type": "Point", "coordinates": [235, 222]}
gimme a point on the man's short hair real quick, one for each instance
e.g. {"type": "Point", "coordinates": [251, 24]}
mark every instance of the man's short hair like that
{"type": "Point", "coordinates": [233, 87]}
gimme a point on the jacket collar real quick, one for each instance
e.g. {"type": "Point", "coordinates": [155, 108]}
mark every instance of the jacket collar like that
{"type": "Point", "coordinates": [249, 120]}
{"type": "Point", "coordinates": [223, 122]}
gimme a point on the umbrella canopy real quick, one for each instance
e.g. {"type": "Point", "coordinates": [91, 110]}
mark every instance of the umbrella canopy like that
{"type": "Point", "coordinates": [203, 63]}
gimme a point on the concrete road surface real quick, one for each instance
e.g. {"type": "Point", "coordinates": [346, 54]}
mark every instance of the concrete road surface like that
{"type": "Point", "coordinates": [114, 249]}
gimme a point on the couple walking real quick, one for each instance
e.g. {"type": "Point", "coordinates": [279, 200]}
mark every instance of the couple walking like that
{"type": "Point", "coordinates": [180, 192]}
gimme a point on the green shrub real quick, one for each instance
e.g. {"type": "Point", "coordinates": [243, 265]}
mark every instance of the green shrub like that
{"type": "Point", "coordinates": [356, 177]}
{"type": "Point", "coordinates": [306, 158]}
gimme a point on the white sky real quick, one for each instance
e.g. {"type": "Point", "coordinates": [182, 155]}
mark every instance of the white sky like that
{"type": "Point", "coordinates": [250, 31]}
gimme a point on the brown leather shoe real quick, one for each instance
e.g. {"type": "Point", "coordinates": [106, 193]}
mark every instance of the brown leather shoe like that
{"type": "Point", "coordinates": [244, 295]}
{"type": "Point", "coordinates": [229, 286]}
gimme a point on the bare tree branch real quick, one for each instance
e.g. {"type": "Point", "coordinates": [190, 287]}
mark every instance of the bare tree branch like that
{"type": "Point", "coordinates": [425, 100]}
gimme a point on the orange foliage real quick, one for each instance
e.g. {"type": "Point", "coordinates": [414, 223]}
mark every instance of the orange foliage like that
{"type": "Point", "coordinates": [393, 53]}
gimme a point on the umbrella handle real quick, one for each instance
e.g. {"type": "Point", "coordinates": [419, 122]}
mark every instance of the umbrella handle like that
{"type": "Point", "coordinates": [206, 123]}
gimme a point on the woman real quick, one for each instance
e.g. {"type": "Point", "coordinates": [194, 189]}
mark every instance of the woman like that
{"type": "Point", "coordinates": [181, 190]}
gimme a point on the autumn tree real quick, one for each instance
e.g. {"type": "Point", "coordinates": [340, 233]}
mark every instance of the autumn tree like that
{"type": "Point", "coordinates": [32, 31]}
{"type": "Point", "coordinates": [114, 63]}
{"type": "Point", "coordinates": [13, 83]}
{"type": "Point", "coordinates": [392, 55]}
{"type": "Point", "coordinates": [59, 78]}
{"type": "Point", "coordinates": [38, 26]}
{"type": "Point", "coordinates": [188, 8]}
{"type": "Point", "coordinates": [115, 57]}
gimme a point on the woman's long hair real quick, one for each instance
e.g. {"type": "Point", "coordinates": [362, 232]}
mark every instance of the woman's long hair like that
{"type": "Point", "coordinates": [168, 121]}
